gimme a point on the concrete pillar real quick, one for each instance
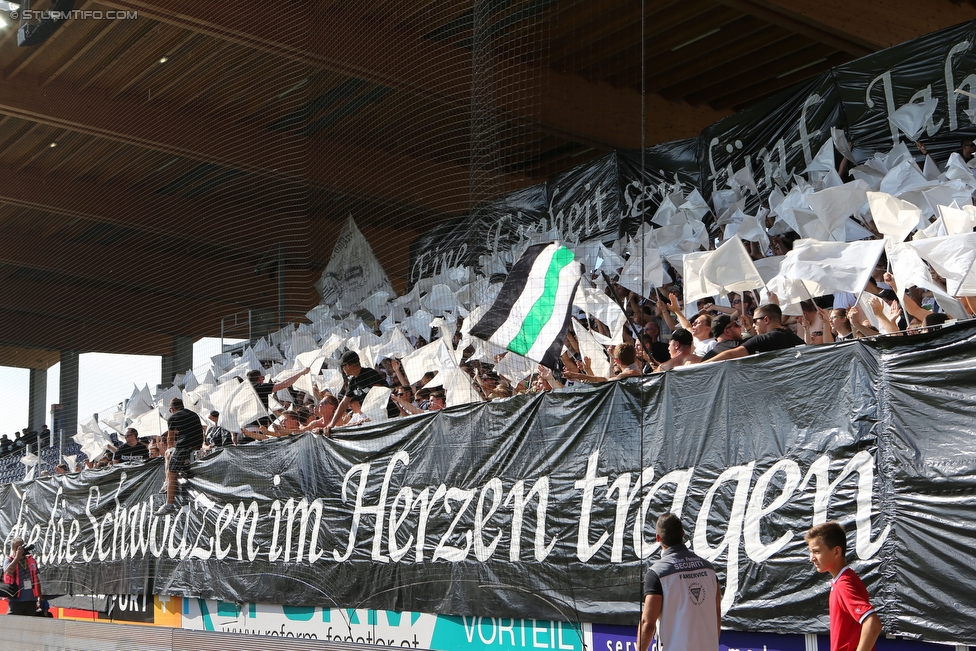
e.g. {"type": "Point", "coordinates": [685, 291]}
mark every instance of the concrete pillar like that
{"type": "Point", "coordinates": [179, 362]}
{"type": "Point", "coordinates": [68, 390]}
{"type": "Point", "coordinates": [37, 397]}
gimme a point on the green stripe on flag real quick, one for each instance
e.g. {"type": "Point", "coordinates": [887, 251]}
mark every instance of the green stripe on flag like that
{"type": "Point", "coordinates": [541, 311]}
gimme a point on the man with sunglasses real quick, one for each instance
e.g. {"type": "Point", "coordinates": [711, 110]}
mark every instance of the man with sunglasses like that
{"type": "Point", "coordinates": [727, 333]}
{"type": "Point", "coordinates": [771, 334]}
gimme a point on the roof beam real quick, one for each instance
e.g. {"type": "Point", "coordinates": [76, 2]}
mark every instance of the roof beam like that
{"type": "Point", "coordinates": [861, 27]}
{"type": "Point", "coordinates": [148, 312]}
{"type": "Point", "coordinates": [31, 330]}
{"type": "Point", "coordinates": [594, 114]}
{"type": "Point", "coordinates": [25, 357]}
{"type": "Point", "coordinates": [129, 122]}
{"type": "Point", "coordinates": [158, 214]}
{"type": "Point", "coordinates": [345, 167]}
{"type": "Point", "coordinates": [213, 287]}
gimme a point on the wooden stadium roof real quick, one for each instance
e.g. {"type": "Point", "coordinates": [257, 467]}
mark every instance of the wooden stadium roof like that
{"type": "Point", "coordinates": [150, 164]}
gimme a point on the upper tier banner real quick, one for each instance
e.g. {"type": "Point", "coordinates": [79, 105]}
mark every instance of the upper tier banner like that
{"type": "Point", "coordinates": [773, 140]}
{"type": "Point", "coordinates": [543, 506]}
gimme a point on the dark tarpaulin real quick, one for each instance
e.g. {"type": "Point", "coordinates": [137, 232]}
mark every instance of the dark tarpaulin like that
{"type": "Point", "coordinates": [495, 226]}
{"type": "Point", "coordinates": [645, 182]}
{"type": "Point", "coordinates": [585, 203]}
{"type": "Point", "coordinates": [931, 66]}
{"type": "Point", "coordinates": [775, 139]}
{"type": "Point", "coordinates": [876, 434]}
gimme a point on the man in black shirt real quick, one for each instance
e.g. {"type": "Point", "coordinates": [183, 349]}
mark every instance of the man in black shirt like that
{"type": "Point", "coordinates": [185, 434]}
{"type": "Point", "coordinates": [134, 450]}
{"type": "Point", "coordinates": [770, 335]}
{"type": "Point", "coordinates": [265, 389]}
{"type": "Point", "coordinates": [358, 383]}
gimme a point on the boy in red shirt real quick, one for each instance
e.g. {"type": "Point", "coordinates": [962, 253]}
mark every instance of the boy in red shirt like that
{"type": "Point", "coordinates": [854, 626]}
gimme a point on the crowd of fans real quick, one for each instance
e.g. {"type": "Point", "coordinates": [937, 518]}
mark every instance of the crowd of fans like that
{"type": "Point", "coordinates": [22, 439]}
{"type": "Point", "coordinates": [658, 334]}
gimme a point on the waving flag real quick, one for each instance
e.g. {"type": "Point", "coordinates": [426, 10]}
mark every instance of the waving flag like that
{"type": "Point", "coordinates": [531, 314]}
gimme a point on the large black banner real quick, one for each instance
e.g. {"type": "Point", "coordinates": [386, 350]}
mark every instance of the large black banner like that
{"type": "Point", "coordinates": [543, 506]}
{"type": "Point", "coordinates": [773, 140]}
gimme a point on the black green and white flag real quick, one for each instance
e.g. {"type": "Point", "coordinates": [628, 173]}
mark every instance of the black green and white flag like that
{"type": "Point", "coordinates": [531, 314]}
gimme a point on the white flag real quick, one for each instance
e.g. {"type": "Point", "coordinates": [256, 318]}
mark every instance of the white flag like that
{"type": "Point", "coordinates": [643, 272]}
{"type": "Point", "coordinates": [243, 406]}
{"type": "Point", "coordinates": [952, 258]}
{"type": "Point", "coordinates": [353, 272]}
{"type": "Point", "coordinates": [893, 217]}
{"type": "Point", "coordinates": [835, 266]}
{"type": "Point", "coordinates": [730, 267]}
{"type": "Point", "coordinates": [150, 423]}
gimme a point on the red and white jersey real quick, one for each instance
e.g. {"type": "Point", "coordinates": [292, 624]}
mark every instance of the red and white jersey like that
{"type": "Point", "coordinates": [849, 607]}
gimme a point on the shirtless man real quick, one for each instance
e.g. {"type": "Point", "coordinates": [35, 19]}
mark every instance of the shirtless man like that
{"type": "Point", "coordinates": [681, 349]}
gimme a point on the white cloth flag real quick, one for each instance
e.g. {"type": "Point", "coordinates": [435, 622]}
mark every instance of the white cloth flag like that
{"type": "Point", "coordinates": [374, 406]}
{"type": "Point", "coordinates": [395, 345]}
{"type": "Point", "coordinates": [242, 407]}
{"type": "Point", "coordinates": [834, 205]}
{"type": "Point", "coordinates": [330, 379]}
{"type": "Point", "coordinates": [841, 143]}
{"type": "Point", "coordinates": [957, 221]}
{"type": "Point", "coordinates": [190, 381]}
{"type": "Point", "coordinates": [697, 286]}
{"type": "Point", "coordinates": [947, 194]}
{"type": "Point", "coordinates": [912, 118]}
{"type": "Point", "coordinates": [589, 347]}
{"type": "Point", "coordinates": [730, 266]}
{"type": "Point", "coordinates": [378, 304]}
{"type": "Point", "coordinates": [198, 402]}
{"type": "Point", "coordinates": [116, 421]}
{"type": "Point", "coordinates": [768, 267]}
{"type": "Point", "coordinates": [458, 388]}
{"type": "Point", "coordinates": [643, 272]}
{"type": "Point", "coordinates": [353, 272]}
{"type": "Point", "coordinates": [811, 227]}
{"type": "Point", "coordinates": [331, 345]}
{"type": "Point", "coordinates": [952, 258]}
{"type": "Point", "coordinates": [418, 324]}
{"type": "Point", "coordinates": [751, 231]}
{"type": "Point", "coordinates": [598, 305]}
{"type": "Point", "coordinates": [435, 356]}
{"type": "Point", "coordinates": [92, 440]}
{"type": "Point", "coordinates": [791, 291]}
{"type": "Point", "coordinates": [139, 402]}
{"type": "Point", "coordinates": [163, 398]}
{"type": "Point", "coordinates": [892, 216]}
{"type": "Point", "coordinates": [150, 423]}
{"type": "Point", "coordinates": [266, 351]}
{"type": "Point", "coordinates": [302, 342]}
{"type": "Point", "coordinates": [440, 299]}
{"type": "Point", "coordinates": [835, 266]}
{"type": "Point", "coordinates": [824, 160]}
{"type": "Point", "coordinates": [910, 271]}
{"type": "Point", "coordinates": [90, 428]}
{"type": "Point", "coordinates": [515, 368]}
